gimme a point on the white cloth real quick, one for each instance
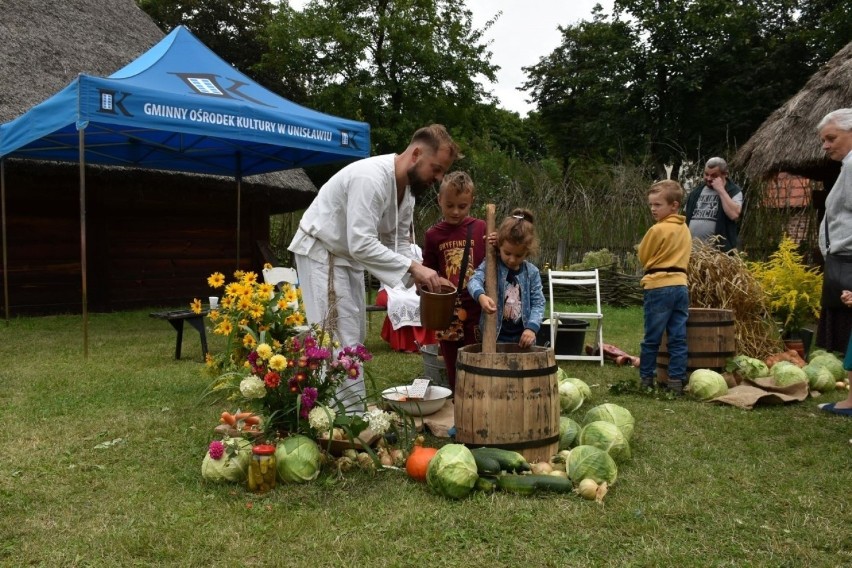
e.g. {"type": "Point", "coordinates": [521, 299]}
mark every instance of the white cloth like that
{"type": "Point", "coordinates": [838, 212]}
{"type": "Point", "coordinates": [355, 217]}
{"type": "Point", "coordinates": [404, 302]}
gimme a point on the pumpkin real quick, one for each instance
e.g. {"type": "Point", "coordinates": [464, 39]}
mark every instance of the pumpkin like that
{"type": "Point", "coordinates": [418, 461]}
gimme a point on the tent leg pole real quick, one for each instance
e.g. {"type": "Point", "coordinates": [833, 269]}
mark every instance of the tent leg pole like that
{"type": "Point", "coordinates": [5, 250]}
{"type": "Point", "coordinates": [239, 204]}
{"type": "Point", "coordinates": [83, 267]}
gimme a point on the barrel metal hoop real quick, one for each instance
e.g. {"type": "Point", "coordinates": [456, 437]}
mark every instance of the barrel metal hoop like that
{"type": "Point", "coordinates": [529, 444]}
{"type": "Point", "coordinates": [724, 323]}
{"type": "Point", "coordinates": [508, 373]}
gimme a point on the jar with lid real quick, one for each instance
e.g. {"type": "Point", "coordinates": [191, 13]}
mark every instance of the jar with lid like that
{"type": "Point", "coordinates": [262, 470]}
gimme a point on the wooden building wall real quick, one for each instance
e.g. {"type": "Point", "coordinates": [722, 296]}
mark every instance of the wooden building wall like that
{"type": "Point", "coordinates": [152, 239]}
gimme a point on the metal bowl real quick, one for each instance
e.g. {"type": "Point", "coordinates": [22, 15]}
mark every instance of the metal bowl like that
{"type": "Point", "coordinates": [430, 404]}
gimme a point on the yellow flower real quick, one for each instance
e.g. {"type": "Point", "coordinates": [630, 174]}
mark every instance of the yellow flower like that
{"type": "Point", "coordinates": [216, 280]}
{"type": "Point", "coordinates": [246, 292]}
{"type": "Point", "coordinates": [264, 351]}
{"type": "Point", "coordinates": [257, 311]}
{"type": "Point", "coordinates": [267, 266]}
{"type": "Point", "coordinates": [209, 360]}
{"type": "Point", "coordinates": [282, 304]}
{"type": "Point", "coordinates": [276, 344]}
{"type": "Point", "coordinates": [233, 289]}
{"type": "Point", "coordinates": [278, 362]}
{"type": "Point", "coordinates": [238, 274]}
{"type": "Point", "coordinates": [248, 341]}
{"type": "Point", "coordinates": [196, 305]}
{"type": "Point", "coordinates": [244, 303]}
{"type": "Point", "coordinates": [299, 318]}
{"type": "Point", "coordinates": [213, 315]}
{"type": "Point", "coordinates": [264, 291]}
{"type": "Point", "coordinates": [262, 327]}
{"type": "Point", "coordinates": [249, 278]}
{"type": "Point", "coordinates": [291, 296]}
{"type": "Point", "coordinates": [224, 328]}
{"type": "Point", "coordinates": [226, 302]}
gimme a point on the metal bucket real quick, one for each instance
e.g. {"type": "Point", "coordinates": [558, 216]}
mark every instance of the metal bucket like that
{"type": "Point", "coordinates": [433, 365]}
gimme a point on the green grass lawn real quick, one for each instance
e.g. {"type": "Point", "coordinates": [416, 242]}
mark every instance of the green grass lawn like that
{"type": "Point", "coordinates": [707, 486]}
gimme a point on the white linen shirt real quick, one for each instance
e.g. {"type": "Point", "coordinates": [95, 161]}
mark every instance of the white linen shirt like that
{"type": "Point", "coordinates": [355, 217]}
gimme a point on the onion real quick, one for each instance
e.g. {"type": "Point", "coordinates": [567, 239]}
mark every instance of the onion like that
{"type": "Point", "coordinates": [559, 473]}
{"type": "Point", "coordinates": [541, 467]}
{"type": "Point", "coordinates": [587, 489]}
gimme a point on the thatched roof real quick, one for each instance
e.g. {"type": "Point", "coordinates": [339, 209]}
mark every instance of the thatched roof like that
{"type": "Point", "coordinates": [46, 44]}
{"type": "Point", "coordinates": [788, 141]}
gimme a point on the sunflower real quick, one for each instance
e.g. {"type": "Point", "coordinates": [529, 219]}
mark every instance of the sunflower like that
{"type": "Point", "coordinates": [249, 278]}
{"type": "Point", "coordinates": [244, 303]}
{"type": "Point", "coordinates": [224, 328]}
{"type": "Point", "coordinates": [264, 291]}
{"type": "Point", "coordinates": [195, 305]}
{"type": "Point", "coordinates": [216, 280]}
{"type": "Point", "coordinates": [257, 311]}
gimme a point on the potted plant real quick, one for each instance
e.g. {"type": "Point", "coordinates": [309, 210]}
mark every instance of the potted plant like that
{"type": "Point", "coordinates": [793, 290]}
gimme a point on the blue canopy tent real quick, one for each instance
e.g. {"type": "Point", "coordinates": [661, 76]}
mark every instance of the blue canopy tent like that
{"type": "Point", "coordinates": [176, 107]}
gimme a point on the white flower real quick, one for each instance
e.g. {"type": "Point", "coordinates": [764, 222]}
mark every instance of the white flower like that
{"type": "Point", "coordinates": [252, 387]}
{"type": "Point", "coordinates": [379, 420]}
{"type": "Point", "coordinates": [321, 418]}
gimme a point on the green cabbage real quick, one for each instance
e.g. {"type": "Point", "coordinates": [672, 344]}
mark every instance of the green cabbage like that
{"type": "Point", "coordinates": [452, 471]}
{"type": "Point", "coordinates": [608, 437]}
{"type": "Point", "coordinates": [298, 459]}
{"type": "Point", "coordinates": [570, 397]}
{"type": "Point", "coordinates": [816, 353]}
{"type": "Point", "coordinates": [585, 391]}
{"type": "Point", "coordinates": [232, 466]}
{"type": "Point", "coordinates": [819, 378]}
{"type": "Point", "coordinates": [589, 462]}
{"type": "Point", "coordinates": [568, 430]}
{"type": "Point", "coordinates": [748, 367]}
{"type": "Point", "coordinates": [618, 415]}
{"type": "Point", "coordinates": [786, 373]}
{"type": "Point", "coordinates": [830, 362]}
{"type": "Point", "coordinates": [705, 384]}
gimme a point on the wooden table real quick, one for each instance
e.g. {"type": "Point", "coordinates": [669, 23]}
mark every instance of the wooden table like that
{"type": "Point", "coordinates": [176, 318]}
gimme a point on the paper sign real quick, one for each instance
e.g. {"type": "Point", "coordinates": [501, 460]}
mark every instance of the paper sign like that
{"type": "Point", "coordinates": [417, 389]}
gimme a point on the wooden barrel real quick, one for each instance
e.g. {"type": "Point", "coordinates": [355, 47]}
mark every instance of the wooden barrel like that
{"type": "Point", "coordinates": [710, 342]}
{"type": "Point", "coordinates": [508, 399]}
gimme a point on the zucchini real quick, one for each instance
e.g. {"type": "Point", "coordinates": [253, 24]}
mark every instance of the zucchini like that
{"type": "Point", "coordinates": [508, 460]}
{"type": "Point", "coordinates": [520, 484]}
{"type": "Point", "coordinates": [486, 484]}
{"type": "Point", "coordinates": [486, 465]}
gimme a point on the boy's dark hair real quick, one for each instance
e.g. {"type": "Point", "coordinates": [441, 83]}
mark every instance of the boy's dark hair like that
{"type": "Point", "coordinates": [669, 189]}
{"type": "Point", "coordinates": [519, 230]}
{"type": "Point", "coordinates": [435, 136]}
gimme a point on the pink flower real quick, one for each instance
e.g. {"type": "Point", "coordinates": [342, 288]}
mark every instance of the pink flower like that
{"type": "Point", "coordinates": [217, 449]}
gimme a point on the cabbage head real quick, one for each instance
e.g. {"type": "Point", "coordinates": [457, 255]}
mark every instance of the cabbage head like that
{"type": "Point", "coordinates": [452, 471]}
{"type": "Point", "coordinates": [830, 362]}
{"type": "Point", "coordinates": [816, 353]}
{"type": "Point", "coordinates": [748, 367]}
{"type": "Point", "coordinates": [232, 466]}
{"type": "Point", "coordinates": [568, 431]}
{"type": "Point", "coordinates": [298, 459]}
{"type": "Point", "coordinates": [819, 378]}
{"type": "Point", "coordinates": [618, 415]}
{"type": "Point", "coordinates": [570, 397]}
{"type": "Point", "coordinates": [607, 437]}
{"type": "Point", "coordinates": [561, 375]}
{"type": "Point", "coordinates": [582, 386]}
{"type": "Point", "coordinates": [705, 384]}
{"type": "Point", "coordinates": [786, 374]}
{"type": "Point", "coordinates": [589, 462]}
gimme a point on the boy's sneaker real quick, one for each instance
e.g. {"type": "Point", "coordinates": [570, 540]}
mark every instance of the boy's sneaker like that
{"type": "Point", "coordinates": [647, 382]}
{"type": "Point", "coordinates": [675, 385]}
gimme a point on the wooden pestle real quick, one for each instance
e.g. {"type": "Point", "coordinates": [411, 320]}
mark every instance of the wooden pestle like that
{"type": "Point", "coordinates": [489, 330]}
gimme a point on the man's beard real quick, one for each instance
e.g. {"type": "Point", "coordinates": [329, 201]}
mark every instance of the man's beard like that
{"type": "Point", "coordinates": [419, 186]}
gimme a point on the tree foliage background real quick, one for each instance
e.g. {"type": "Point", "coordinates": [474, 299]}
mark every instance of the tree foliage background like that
{"type": "Point", "coordinates": [655, 82]}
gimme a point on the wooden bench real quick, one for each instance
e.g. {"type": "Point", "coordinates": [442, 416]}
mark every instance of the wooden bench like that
{"type": "Point", "coordinates": [176, 319]}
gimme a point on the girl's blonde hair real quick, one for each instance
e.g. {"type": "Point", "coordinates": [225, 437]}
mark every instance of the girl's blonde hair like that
{"type": "Point", "coordinates": [518, 230]}
{"type": "Point", "coordinates": [456, 183]}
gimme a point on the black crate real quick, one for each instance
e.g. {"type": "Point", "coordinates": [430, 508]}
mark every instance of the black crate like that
{"type": "Point", "coordinates": [568, 343]}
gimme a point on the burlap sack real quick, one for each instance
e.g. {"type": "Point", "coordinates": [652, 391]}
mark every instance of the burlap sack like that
{"type": "Point", "coordinates": [763, 391]}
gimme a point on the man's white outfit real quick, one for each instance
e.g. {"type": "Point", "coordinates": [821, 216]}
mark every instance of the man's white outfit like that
{"type": "Point", "coordinates": [356, 220]}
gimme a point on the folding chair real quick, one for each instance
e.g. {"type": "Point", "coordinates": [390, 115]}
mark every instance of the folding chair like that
{"type": "Point", "coordinates": [278, 274]}
{"type": "Point", "coordinates": [590, 280]}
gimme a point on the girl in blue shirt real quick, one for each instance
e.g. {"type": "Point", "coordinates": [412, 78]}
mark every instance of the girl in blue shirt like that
{"type": "Point", "coordinates": [520, 305]}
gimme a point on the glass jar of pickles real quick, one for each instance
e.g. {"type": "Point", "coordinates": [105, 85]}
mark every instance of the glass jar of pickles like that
{"type": "Point", "coordinates": [262, 470]}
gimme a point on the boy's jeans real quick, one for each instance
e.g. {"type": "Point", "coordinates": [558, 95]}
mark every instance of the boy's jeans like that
{"type": "Point", "coordinates": [666, 309]}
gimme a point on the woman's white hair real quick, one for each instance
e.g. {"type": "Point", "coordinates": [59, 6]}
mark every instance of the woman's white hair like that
{"type": "Point", "coordinates": [841, 118]}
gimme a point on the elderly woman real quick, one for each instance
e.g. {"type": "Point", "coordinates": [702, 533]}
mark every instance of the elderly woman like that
{"type": "Point", "coordinates": [835, 237]}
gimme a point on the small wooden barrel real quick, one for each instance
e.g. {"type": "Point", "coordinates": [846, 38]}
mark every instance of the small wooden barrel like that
{"type": "Point", "coordinates": [508, 399]}
{"type": "Point", "coordinates": [710, 342]}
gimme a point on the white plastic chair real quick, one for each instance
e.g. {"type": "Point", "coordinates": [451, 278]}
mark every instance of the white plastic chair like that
{"type": "Point", "coordinates": [589, 279]}
{"type": "Point", "coordinates": [278, 274]}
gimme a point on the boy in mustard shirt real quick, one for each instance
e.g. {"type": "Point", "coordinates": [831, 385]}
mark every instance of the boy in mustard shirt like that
{"type": "Point", "coordinates": [664, 254]}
